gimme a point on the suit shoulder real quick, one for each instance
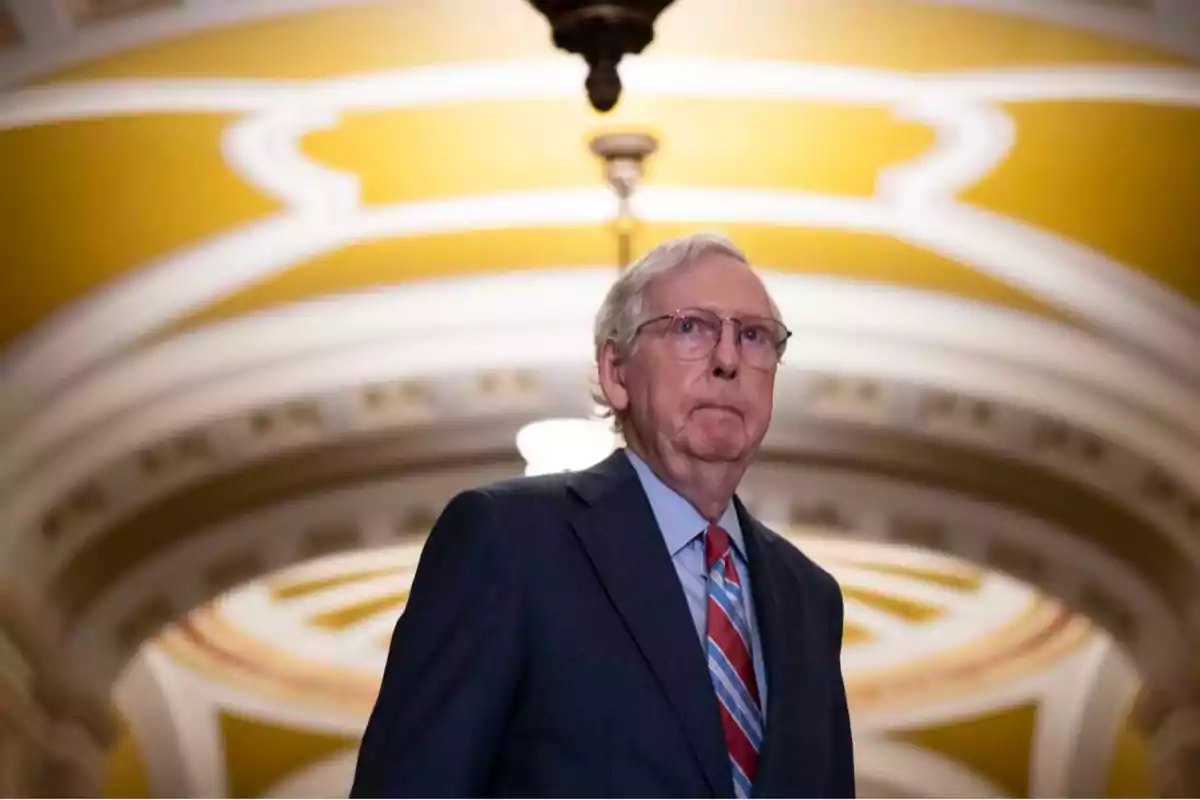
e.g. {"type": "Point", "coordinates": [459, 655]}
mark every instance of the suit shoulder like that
{"type": "Point", "coordinates": [528, 486]}
{"type": "Point", "coordinates": [526, 499]}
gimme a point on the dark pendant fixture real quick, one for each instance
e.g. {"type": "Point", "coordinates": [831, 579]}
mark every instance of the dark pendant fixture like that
{"type": "Point", "coordinates": [602, 32]}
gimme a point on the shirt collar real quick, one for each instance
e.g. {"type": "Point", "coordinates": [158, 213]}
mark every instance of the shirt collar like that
{"type": "Point", "coordinates": [678, 520]}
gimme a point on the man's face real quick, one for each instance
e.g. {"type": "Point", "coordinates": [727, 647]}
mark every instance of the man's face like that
{"type": "Point", "coordinates": [713, 408]}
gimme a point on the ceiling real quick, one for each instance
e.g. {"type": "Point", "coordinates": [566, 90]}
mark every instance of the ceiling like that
{"type": "Point", "coordinates": [279, 276]}
{"type": "Point", "coordinates": [450, 151]}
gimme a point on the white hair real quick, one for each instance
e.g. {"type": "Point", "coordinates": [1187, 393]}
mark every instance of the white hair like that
{"type": "Point", "coordinates": [624, 307]}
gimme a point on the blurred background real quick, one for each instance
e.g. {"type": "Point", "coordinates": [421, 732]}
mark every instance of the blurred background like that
{"type": "Point", "coordinates": [279, 277]}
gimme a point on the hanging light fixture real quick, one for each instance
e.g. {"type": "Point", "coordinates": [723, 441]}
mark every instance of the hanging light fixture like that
{"type": "Point", "coordinates": [564, 444]}
{"type": "Point", "coordinates": [624, 155]}
{"type": "Point", "coordinates": [603, 32]}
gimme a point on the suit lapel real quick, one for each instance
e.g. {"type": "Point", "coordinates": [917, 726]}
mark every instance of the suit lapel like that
{"type": "Point", "coordinates": [622, 539]}
{"type": "Point", "coordinates": [773, 632]}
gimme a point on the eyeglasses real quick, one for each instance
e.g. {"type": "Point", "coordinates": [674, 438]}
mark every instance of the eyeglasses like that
{"type": "Point", "coordinates": [694, 333]}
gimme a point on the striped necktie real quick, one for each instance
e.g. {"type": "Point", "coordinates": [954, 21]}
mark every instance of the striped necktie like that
{"type": "Point", "coordinates": [727, 643]}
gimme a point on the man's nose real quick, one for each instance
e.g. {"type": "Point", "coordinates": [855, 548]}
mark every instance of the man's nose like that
{"type": "Point", "coordinates": [727, 357]}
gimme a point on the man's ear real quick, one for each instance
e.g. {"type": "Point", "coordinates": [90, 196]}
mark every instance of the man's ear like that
{"type": "Point", "coordinates": [612, 377]}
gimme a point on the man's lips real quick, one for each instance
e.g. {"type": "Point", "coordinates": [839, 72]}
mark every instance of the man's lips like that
{"type": "Point", "coordinates": [731, 409]}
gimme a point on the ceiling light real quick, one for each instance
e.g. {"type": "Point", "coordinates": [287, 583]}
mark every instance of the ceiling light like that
{"type": "Point", "coordinates": [603, 32]}
{"type": "Point", "coordinates": [564, 444]}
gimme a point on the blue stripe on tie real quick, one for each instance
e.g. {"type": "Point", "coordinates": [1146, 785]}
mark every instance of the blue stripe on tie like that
{"type": "Point", "coordinates": [733, 695]}
{"type": "Point", "coordinates": [726, 701]}
{"type": "Point", "coordinates": [736, 684]}
{"type": "Point", "coordinates": [737, 596]}
{"type": "Point", "coordinates": [740, 782]}
{"type": "Point", "coordinates": [737, 620]}
{"type": "Point", "coordinates": [734, 592]}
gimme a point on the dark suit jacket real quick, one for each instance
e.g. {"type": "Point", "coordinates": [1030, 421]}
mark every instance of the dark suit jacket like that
{"type": "Point", "coordinates": [547, 650]}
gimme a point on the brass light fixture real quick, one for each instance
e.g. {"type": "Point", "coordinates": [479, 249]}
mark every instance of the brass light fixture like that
{"type": "Point", "coordinates": [603, 32]}
{"type": "Point", "coordinates": [624, 155]}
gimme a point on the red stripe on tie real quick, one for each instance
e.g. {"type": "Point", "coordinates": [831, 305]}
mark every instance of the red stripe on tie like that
{"type": "Point", "coordinates": [724, 635]}
{"type": "Point", "coordinates": [722, 631]}
{"type": "Point", "coordinates": [740, 748]}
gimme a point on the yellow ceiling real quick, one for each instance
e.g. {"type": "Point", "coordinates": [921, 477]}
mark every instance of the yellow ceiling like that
{"type": "Point", "coordinates": [289, 590]}
{"type": "Point", "coordinates": [963, 581]}
{"type": "Point", "coordinates": [996, 744]}
{"type": "Point", "coordinates": [388, 35]}
{"type": "Point", "coordinates": [1112, 175]}
{"type": "Point", "coordinates": [346, 616]}
{"type": "Point", "coordinates": [124, 765]}
{"type": "Point", "coordinates": [1123, 178]}
{"type": "Point", "coordinates": [1129, 773]}
{"type": "Point", "coordinates": [478, 148]}
{"type": "Point", "coordinates": [259, 754]}
{"type": "Point", "coordinates": [86, 201]}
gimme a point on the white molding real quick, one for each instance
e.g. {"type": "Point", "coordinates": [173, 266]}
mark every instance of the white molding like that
{"type": "Point", "coordinates": [915, 200]}
{"type": "Point", "coordinates": [534, 79]}
{"type": "Point", "coordinates": [921, 591]}
{"type": "Point", "coordinates": [171, 575]}
{"type": "Point", "coordinates": [997, 603]}
{"type": "Point", "coordinates": [328, 777]}
{"type": "Point", "coordinates": [203, 752]}
{"type": "Point", "coordinates": [565, 300]}
{"type": "Point", "coordinates": [919, 772]}
{"type": "Point", "coordinates": [541, 322]}
{"type": "Point", "coordinates": [287, 627]}
{"type": "Point", "coordinates": [319, 719]}
{"type": "Point", "coordinates": [1059, 733]}
{"type": "Point", "coordinates": [153, 726]}
{"type": "Point", "coordinates": [1109, 707]}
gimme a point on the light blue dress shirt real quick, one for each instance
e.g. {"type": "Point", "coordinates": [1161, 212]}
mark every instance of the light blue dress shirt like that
{"type": "Point", "coordinates": [682, 528]}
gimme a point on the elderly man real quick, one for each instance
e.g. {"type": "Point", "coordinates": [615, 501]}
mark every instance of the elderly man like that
{"type": "Point", "coordinates": [630, 629]}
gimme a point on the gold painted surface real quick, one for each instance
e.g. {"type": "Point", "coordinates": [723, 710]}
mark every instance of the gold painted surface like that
{"type": "Point", "coordinates": [211, 645]}
{"type": "Point", "coordinates": [1123, 178]}
{"type": "Point", "coordinates": [1031, 642]}
{"type": "Point", "coordinates": [124, 772]}
{"type": "Point", "coordinates": [83, 202]}
{"type": "Point", "coordinates": [130, 189]}
{"type": "Point", "coordinates": [402, 155]}
{"type": "Point", "coordinates": [947, 579]}
{"type": "Point", "coordinates": [292, 590]}
{"type": "Point", "coordinates": [845, 254]}
{"type": "Point", "coordinates": [1129, 773]}
{"type": "Point", "coordinates": [997, 745]}
{"type": "Point", "coordinates": [259, 754]}
{"type": "Point", "coordinates": [909, 609]}
{"type": "Point", "coordinates": [873, 33]}
{"type": "Point", "coordinates": [855, 634]}
{"type": "Point", "coordinates": [350, 615]}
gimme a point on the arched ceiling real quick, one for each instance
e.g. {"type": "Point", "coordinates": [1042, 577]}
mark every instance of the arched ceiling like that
{"type": "Point", "coordinates": [257, 253]}
{"type": "Point", "coordinates": [155, 152]}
